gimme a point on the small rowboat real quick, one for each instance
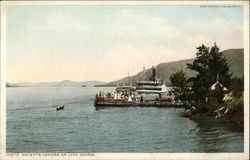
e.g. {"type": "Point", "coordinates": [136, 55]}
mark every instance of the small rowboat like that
{"type": "Point", "coordinates": [59, 107]}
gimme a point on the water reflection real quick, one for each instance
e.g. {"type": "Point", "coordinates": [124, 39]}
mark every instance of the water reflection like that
{"type": "Point", "coordinates": [218, 136]}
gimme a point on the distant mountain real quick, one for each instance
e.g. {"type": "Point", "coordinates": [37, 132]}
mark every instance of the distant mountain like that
{"type": "Point", "coordinates": [11, 85]}
{"type": "Point", "coordinates": [65, 83]}
{"type": "Point", "coordinates": [90, 83]}
{"type": "Point", "coordinates": [235, 59]}
{"type": "Point", "coordinates": [45, 84]}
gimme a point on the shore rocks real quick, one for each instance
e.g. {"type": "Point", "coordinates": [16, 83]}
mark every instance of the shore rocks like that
{"type": "Point", "coordinates": [190, 111]}
{"type": "Point", "coordinates": [221, 114]}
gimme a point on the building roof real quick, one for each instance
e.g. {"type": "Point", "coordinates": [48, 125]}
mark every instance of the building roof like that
{"type": "Point", "coordinates": [213, 87]}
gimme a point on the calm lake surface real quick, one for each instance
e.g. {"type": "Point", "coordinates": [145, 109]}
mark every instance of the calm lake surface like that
{"type": "Point", "coordinates": [33, 125]}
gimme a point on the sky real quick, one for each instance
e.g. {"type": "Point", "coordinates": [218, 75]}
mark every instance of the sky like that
{"type": "Point", "coordinates": [104, 42]}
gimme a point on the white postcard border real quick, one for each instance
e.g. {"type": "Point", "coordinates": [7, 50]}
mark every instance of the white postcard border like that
{"type": "Point", "coordinates": [78, 156]}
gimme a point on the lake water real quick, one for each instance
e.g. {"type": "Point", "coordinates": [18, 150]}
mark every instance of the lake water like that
{"type": "Point", "coordinates": [33, 125]}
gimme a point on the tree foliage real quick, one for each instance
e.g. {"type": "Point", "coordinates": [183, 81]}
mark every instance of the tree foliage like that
{"type": "Point", "coordinates": [180, 88]}
{"type": "Point", "coordinates": [237, 87]}
{"type": "Point", "coordinates": [208, 63]}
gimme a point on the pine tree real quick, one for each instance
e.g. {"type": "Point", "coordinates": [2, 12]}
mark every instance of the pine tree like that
{"type": "Point", "coordinates": [208, 63]}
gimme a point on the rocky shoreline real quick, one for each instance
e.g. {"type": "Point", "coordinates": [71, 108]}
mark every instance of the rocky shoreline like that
{"type": "Point", "coordinates": [236, 119]}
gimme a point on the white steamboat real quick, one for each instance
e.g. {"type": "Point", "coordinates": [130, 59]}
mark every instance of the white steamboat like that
{"type": "Point", "coordinates": [152, 86]}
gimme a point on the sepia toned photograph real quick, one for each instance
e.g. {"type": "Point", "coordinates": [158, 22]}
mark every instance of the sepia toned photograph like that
{"type": "Point", "coordinates": [122, 80]}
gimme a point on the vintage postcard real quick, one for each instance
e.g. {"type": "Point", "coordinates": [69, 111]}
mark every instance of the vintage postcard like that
{"type": "Point", "coordinates": [124, 80]}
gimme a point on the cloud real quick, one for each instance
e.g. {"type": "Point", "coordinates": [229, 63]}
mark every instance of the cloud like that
{"type": "Point", "coordinates": [226, 32]}
{"type": "Point", "coordinates": [52, 46]}
{"type": "Point", "coordinates": [57, 22]}
{"type": "Point", "coordinates": [198, 40]}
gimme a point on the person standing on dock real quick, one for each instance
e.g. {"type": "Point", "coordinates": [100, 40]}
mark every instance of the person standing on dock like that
{"type": "Point", "coordinates": [141, 98]}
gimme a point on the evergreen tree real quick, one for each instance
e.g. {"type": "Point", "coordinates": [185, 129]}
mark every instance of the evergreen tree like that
{"type": "Point", "coordinates": [208, 63]}
{"type": "Point", "coordinates": [237, 86]}
{"type": "Point", "coordinates": [180, 88]}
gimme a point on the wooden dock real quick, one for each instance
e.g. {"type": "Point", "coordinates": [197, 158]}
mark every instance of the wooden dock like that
{"type": "Point", "coordinates": [110, 102]}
